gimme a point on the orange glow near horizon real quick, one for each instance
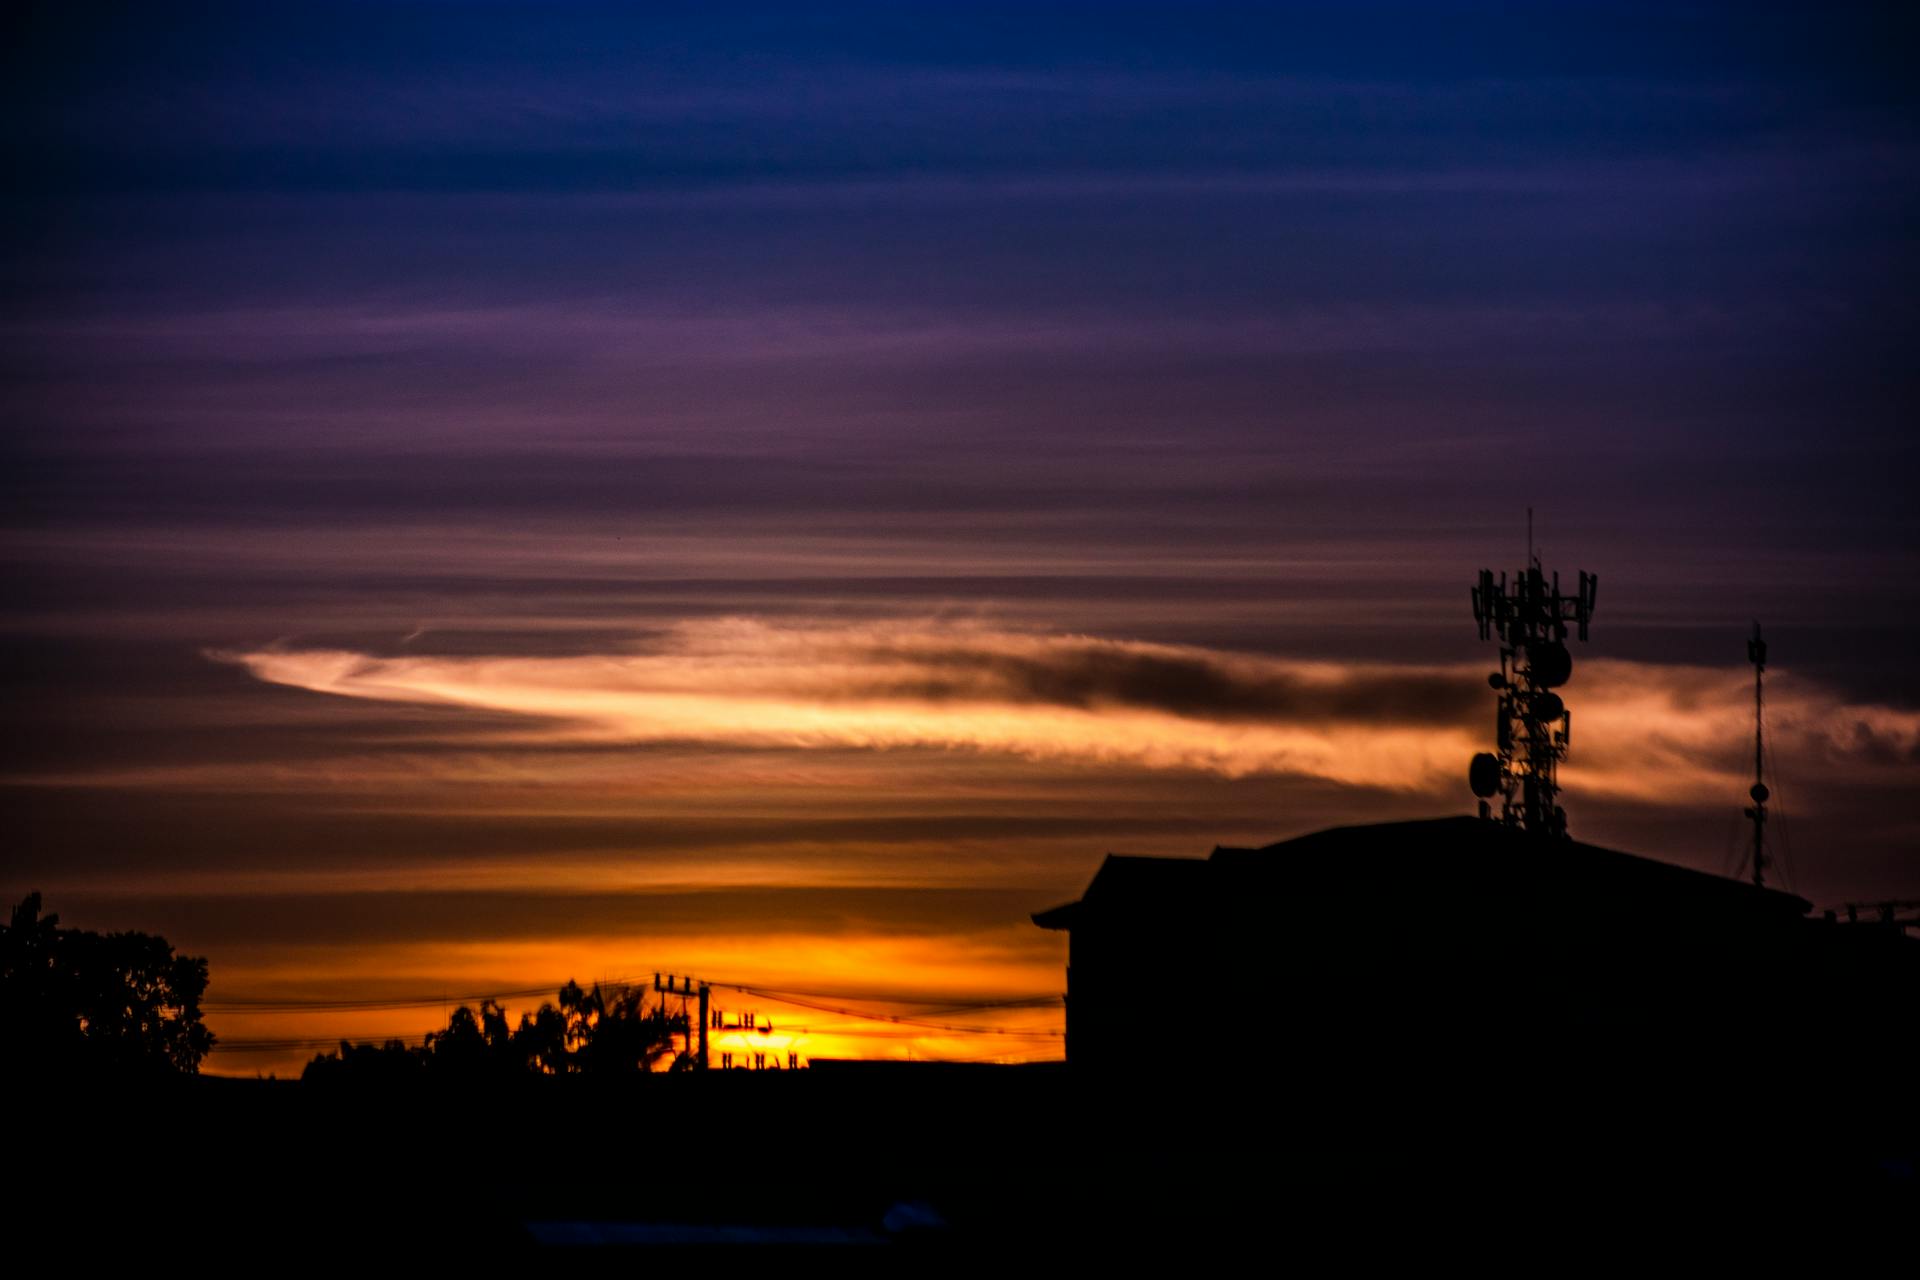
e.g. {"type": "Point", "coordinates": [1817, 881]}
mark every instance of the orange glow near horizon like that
{"type": "Point", "coordinates": [872, 809]}
{"type": "Point", "coordinates": [849, 975]}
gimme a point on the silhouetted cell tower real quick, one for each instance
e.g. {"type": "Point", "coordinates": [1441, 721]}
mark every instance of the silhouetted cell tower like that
{"type": "Point", "coordinates": [1532, 727]}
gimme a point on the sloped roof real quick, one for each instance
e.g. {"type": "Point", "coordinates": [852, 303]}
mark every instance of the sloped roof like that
{"type": "Point", "coordinates": [1454, 864]}
{"type": "Point", "coordinates": [1128, 883]}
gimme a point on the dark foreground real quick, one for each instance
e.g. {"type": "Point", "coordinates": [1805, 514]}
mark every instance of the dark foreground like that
{"type": "Point", "coordinates": [969, 1168]}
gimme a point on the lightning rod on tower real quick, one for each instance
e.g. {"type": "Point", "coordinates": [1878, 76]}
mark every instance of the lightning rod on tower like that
{"type": "Point", "coordinates": [1532, 726]}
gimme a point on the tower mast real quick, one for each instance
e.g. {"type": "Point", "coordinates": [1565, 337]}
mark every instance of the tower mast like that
{"type": "Point", "coordinates": [1757, 655]}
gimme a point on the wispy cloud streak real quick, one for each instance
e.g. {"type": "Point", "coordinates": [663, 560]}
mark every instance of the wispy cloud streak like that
{"type": "Point", "coordinates": [1658, 734]}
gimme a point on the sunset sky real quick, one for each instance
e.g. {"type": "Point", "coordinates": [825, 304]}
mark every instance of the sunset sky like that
{"type": "Point", "coordinates": [497, 494]}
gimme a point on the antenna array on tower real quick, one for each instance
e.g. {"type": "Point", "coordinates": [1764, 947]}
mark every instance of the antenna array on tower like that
{"type": "Point", "coordinates": [1532, 727]}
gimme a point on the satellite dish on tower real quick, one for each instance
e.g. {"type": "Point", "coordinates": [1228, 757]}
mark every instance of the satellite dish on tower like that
{"type": "Point", "coordinates": [1550, 664]}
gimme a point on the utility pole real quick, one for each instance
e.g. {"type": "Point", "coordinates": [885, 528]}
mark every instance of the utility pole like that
{"type": "Point", "coordinates": [700, 1063]}
{"type": "Point", "coordinates": [683, 989]}
{"type": "Point", "coordinates": [1757, 655]}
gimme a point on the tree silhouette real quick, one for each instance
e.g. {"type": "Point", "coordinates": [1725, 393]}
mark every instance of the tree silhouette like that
{"type": "Point", "coordinates": [587, 1032]}
{"type": "Point", "coordinates": [77, 1001]}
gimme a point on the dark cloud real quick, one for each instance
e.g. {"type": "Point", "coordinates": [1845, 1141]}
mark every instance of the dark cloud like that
{"type": "Point", "coordinates": [1200, 686]}
{"type": "Point", "coordinates": [58, 830]}
{"type": "Point", "coordinates": [215, 920]}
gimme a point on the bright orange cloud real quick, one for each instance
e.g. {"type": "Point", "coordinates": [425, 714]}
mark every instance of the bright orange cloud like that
{"type": "Point", "coordinates": [1654, 733]}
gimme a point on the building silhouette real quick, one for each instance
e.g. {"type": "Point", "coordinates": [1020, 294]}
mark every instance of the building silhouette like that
{"type": "Point", "coordinates": [1464, 954]}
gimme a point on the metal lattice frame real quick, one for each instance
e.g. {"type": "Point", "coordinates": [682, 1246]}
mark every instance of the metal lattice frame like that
{"type": "Point", "coordinates": [1532, 726]}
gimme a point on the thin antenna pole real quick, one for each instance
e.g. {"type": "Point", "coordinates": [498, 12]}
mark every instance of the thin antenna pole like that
{"type": "Point", "coordinates": [1757, 655]}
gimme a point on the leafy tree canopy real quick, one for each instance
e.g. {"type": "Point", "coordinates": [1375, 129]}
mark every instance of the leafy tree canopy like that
{"type": "Point", "coordinates": [591, 1032]}
{"type": "Point", "coordinates": [75, 1001]}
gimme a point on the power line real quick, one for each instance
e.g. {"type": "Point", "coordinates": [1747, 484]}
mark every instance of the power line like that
{"type": "Point", "coordinates": [377, 1004]}
{"type": "Point", "coordinates": [946, 1005]}
{"type": "Point", "coordinates": [900, 1020]}
{"type": "Point", "coordinates": [270, 1044]}
{"type": "Point", "coordinates": [372, 1005]}
{"type": "Point", "coordinates": [813, 1000]}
